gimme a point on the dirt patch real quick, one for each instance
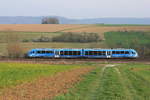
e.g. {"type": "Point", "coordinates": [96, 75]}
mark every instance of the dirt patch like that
{"type": "Point", "coordinates": [45, 88]}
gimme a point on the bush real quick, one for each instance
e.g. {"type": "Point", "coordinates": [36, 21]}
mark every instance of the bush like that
{"type": "Point", "coordinates": [42, 39]}
{"type": "Point", "coordinates": [77, 37]}
{"type": "Point", "coordinates": [51, 20]}
{"type": "Point", "coordinates": [14, 49]}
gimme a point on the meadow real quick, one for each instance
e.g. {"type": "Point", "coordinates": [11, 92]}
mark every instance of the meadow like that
{"type": "Point", "coordinates": [12, 74]}
{"type": "Point", "coordinates": [112, 82]}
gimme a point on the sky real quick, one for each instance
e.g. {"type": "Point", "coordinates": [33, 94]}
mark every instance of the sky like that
{"type": "Point", "coordinates": [76, 8]}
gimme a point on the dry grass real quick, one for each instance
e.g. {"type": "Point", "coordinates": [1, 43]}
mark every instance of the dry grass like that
{"type": "Point", "coordinates": [102, 29]}
{"type": "Point", "coordinates": [38, 27]}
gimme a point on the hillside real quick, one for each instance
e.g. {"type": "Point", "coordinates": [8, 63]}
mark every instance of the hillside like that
{"type": "Point", "coordinates": [63, 20]}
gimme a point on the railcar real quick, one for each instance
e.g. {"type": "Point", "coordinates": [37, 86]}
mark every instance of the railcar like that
{"type": "Point", "coordinates": [110, 53]}
{"type": "Point", "coordinates": [82, 53]}
{"type": "Point", "coordinates": [70, 53]}
{"type": "Point", "coordinates": [41, 53]}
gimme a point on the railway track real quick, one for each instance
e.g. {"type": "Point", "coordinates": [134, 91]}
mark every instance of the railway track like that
{"type": "Point", "coordinates": [74, 60]}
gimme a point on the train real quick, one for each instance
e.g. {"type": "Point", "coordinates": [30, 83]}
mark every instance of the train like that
{"type": "Point", "coordinates": [82, 53]}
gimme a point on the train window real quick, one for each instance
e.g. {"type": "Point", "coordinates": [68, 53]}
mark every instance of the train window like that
{"type": "Point", "coordinates": [122, 52]}
{"type": "Point", "coordinates": [133, 52]}
{"type": "Point", "coordinates": [79, 53]}
{"type": "Point", "coordinates": [43, 52]}
{"type": "Point", "coordinates": [90, 53]}
{"type": "Point", "coordinates": [100, 53]}
{"type": "Point", "coordinates": [126, 52]}
{"type": "Point", "coordinates": [86, 53]}
{"type": "Point", "coordinates": [95, 52]}
{"type": "Point", "coordinates": [65, 52]}
{"type": "Point", "coordinates": [39, 52]}
{"type": "Point", "coordinates": [70, 52]}
{"type": "Point", "coordinates": [113, 52]}
{"type": "Point", "coordinates": [75, 52]}
{"type": "Point", "coordinates": [104, 53]}
{"type": "Point", "coordinates": [117, 52]}
{"type": "Point", "coordinates": [48, 51]}
{"type": "Point", "coordinates": [61, 53]}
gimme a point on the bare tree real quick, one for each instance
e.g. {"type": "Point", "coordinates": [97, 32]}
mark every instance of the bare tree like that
{"type": "Point", "coordinates": [14, 48]}
{"type": "Point", "coordinates": [50, 20]}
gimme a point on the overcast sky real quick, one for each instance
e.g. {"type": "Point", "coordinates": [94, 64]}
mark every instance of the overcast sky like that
{"type": "Point", "coordinates": [76, 8]}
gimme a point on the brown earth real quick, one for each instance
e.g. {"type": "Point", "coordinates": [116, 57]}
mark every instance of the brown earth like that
{"type": "Point", "coordinates": [45, 88]}
{"type": "Point", "coordinates": [102, 29]}
{"type": "Point", "coordinates": [38, 27]}
{"type": "Point", "coordinates": [69, 28]}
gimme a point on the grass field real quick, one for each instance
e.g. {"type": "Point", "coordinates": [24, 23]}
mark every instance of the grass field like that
{"type": "Point", "coordinates": [26, 35]}
{"type": "Point", "coordinates": [113, 82]}
{"type": "Point", "coordinates": [16, 73]}
{"type": "Point", "coordinates": [108, 81]}
{"type": "Point", "coordinates": [127, 39]}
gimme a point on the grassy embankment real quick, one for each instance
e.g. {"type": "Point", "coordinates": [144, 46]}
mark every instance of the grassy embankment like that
{"type": "Point", "coordinates": [121, 82]}
{"type": "Point", "coordinates": [16, 73]}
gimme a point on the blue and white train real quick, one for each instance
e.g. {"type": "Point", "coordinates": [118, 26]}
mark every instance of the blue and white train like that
{"type": "Point", "coordinates": [82, 53]}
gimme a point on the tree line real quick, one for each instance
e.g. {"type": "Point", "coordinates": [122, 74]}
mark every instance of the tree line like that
{"type": "Point", "coordinates": [50, 20]}
{"type": "Point", "coordinates": [71, 37]}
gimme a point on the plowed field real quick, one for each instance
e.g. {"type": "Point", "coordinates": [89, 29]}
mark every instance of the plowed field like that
{"type": "Point", "coordinates": [69, 28]}
{"type": "Point", "coordinates": [38, 27]}
{"type": "Point", "coordinates": [45, 88]}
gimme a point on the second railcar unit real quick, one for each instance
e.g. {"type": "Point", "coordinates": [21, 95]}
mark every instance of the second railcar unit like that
{"type": "Point", "coordinates": [70, 53]}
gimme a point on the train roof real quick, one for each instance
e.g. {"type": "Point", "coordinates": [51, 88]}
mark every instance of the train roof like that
{"type": "Point", "coordinates": [82, 48]}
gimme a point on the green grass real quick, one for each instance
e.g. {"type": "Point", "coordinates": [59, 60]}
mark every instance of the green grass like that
{"type": "Point", "coordinates": [27, 35]}
{"type": "Point", "coordinates": [127, 39]}
{"type": "Point", "coordinates": [121, 25]}
{"type": "Point", "coordinates": [16, 73]}
{"type": "Point", "coordinates": [137, 79]}
{"type": "Point", "coordinates": [139, 41]}
{"type": "Point", "coordinates": [112, 83]}
{"type": "Point", "coordinates": [82, 90]}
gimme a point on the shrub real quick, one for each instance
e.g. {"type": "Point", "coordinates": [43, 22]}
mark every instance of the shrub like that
{"type": "Point", "coordinates": [77, 37]}
{"type": "Point", "coordinates": [14, 48]}
{"type": "Point", "coordinates": [50, 20]}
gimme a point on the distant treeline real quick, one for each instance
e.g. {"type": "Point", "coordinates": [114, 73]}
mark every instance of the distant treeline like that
{"type": "Point", "coordinates": [69, 37]}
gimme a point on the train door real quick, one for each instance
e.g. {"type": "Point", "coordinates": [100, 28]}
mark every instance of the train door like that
{"type": "Point", "coordinates": [57, 53]}
{"type": "Point", "coordinates": [108, 54]}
